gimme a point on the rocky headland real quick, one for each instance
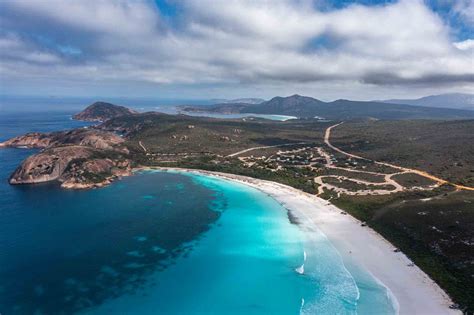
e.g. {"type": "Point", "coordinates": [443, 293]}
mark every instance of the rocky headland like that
{"type": "Point", "coordinates": [79, 158]}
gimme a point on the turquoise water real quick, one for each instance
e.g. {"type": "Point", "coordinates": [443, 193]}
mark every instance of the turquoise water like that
{"type": "Point", "coordinates": [161, 242]}
{"type": "Point", "coordinates": [246, 264]}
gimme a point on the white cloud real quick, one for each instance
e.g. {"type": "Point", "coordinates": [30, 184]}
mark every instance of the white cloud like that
{"type": "Point", "coordinates": [465, 9]}
{"type": "Point", "coordinates": [112, 17]}
{"type": "Point", "coordinates": [13, 48]}
{"type": "Point", "coordinates": [259, 43]}
{"type": "Point", "coordinates": [467, 44]}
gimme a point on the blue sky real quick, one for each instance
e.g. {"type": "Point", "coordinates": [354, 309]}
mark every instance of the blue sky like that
{"type": "Point", "coordinates": [237, 48]}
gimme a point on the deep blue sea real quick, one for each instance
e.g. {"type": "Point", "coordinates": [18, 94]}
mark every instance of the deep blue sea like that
{"type": "Point", "coordinates": [161, 243]}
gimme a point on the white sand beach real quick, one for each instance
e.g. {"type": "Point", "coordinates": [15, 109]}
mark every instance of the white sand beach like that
{"type": "Point", "coordinates": [413, 290]}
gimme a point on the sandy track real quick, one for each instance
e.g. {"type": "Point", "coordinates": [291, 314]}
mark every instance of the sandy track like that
{"type": "Point", "coordinates": [438, 180]}
{"type": "Point", "coordinates": [388, 180]}
{"type": "Point", "coordinates": [142, 146]}
{"type": "Point", "coordinates": [264, 147]}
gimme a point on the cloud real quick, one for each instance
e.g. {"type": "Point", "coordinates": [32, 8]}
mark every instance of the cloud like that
{"type": "Point", "coordinates": [14, 49]}
{"type": "Point", "coordinates": [465, 9]}
{"type": "Point", "coordinates": [117, 17]}
{"type": "Point", "coordinates": [253, 43]}
{"type": "Point", "coordinates": [465, 45]}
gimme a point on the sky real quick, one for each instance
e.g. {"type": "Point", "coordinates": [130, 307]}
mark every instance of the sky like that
{"type": "Point", "coordinates": [200, 49]}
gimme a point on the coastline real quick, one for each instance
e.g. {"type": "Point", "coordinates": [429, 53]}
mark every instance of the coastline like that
{"type": "Point", "coordinates": [413, 291]}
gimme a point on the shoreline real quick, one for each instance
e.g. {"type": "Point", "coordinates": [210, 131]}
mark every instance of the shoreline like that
{"type": "Point", "coordinates": [413, 291]}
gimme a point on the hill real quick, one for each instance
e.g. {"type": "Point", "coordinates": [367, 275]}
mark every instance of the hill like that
{"type": "Point", "coordinates": [308, 107]}
{"type": "Point", "coordinates": [453, 100]}
{"type": "Point", "coordinates": [102, 111]}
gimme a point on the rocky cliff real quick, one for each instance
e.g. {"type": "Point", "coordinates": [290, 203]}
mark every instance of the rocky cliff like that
{"type": "Point", "coordinates": [48, 165]}
{"type": "Point", "coordinates": [94, 138]}
{"type": "Point", "coordinates": [79, 158]}
{"type": "Point", "coordinates": [30, 140]}
{"type": "Point", "coordinates": [94, 173]}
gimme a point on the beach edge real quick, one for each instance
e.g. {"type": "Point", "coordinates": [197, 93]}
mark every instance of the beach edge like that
{"type": "Point", "coordinates": [414, 292]}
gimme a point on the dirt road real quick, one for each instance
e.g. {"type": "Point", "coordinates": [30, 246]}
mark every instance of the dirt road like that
{"type": "Point", "coordinates": [438, 180]}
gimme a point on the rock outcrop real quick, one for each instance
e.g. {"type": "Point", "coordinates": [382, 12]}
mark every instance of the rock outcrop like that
{"type": "Point", "coordinates": [94, 173]}
{"type": "Point", "coordinates": [30, 140]}
{"type": "Point", "coordinates": [80, 158]}
{"type": "Point", "coordinates": [94, 138]}
{"type": "Point", "coordinates": [48, 165]}
{"type": "Point", "coordinates": [101, 111]}
{"type": "Point", "coordinates": [73, 166]}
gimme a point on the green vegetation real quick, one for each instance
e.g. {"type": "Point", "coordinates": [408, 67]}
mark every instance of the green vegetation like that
{"type": "Point", "coordinates": [101, 111]}
{"type": "Point", "coordinates": [308, 107]}
{"type": "Point", "coordinates": [295, 177]}
{"type": "Point", "coordinates": [411, 180]}
{"type": "Point", "coordinates": [433, 228]}
{"type": "Point", "coordinates": [361, 176]}
{"type": "Point", "coordinates": [96, 177]}
{"type": "Point", "coordinates": [164, 134]}
{"type": "Point", "coordinates": [442, 148]}
{"type": "Point", "coordinates": [354, 186]}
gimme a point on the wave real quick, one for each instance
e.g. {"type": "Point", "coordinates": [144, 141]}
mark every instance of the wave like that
{"type": "Point", "coordinates": [300, 269]}
{"type": "Point", "coordinates": [331, 276]}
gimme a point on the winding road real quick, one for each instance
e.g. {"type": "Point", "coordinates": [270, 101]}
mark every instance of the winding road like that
{"type": "Point", "coordinates": [141, 145]}
{"type": "Point", "coordinates": [388, 181]}
{"type": "Point", "coordinates": [264, 147]}
{"type": "Point", "coordinates": [438, 180]}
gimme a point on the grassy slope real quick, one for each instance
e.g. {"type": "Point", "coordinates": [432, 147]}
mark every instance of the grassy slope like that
{"type": "Point", "coordinates": [435, 234]}
{"type": "Point", "coordinates": [185, 134]}
{"type": "Point", "coordinates": [443, 148]}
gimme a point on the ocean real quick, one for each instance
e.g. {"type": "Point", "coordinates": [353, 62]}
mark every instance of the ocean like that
{"type": "Point", "coordinates": [162, 243]}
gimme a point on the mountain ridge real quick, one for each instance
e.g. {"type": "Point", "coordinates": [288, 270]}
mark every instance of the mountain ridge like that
{"type": "Point", "coordinates": [449, 100]}
{"type": "Point", "coordinates": [341, 109]}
